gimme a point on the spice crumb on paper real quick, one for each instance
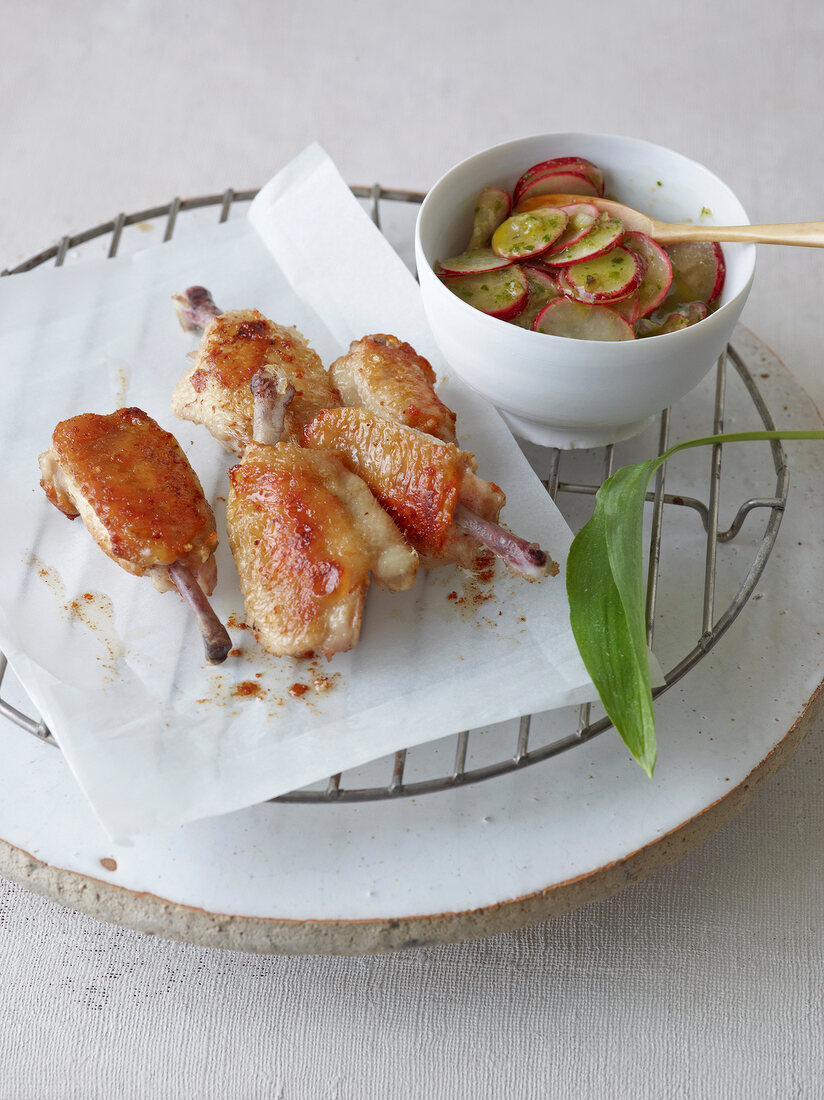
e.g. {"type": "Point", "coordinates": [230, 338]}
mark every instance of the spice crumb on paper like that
{"type": "Point", "coordinates": [94, 610]}
{"type": "Point", "coordinates": [249, 688]}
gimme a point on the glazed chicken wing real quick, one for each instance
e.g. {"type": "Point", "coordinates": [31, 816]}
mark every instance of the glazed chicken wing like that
{"type": "Point", "coordinates": [429, 488]}
{"type": "Point", "coordinates": [142, 503]}
{"type": "Point", "coordinates": [235, 345]}
{"type": "Point", "coordinates": [306, 533]}
{"type": "Point", "coordinates": [389, 377]}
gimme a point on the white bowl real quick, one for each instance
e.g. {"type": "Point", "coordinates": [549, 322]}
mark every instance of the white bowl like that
{"type": "Point", "coordinates": [579, 393]}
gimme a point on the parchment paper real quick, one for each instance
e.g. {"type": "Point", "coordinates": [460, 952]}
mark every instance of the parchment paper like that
{"type": "Point", "coordinates": [155, 736]}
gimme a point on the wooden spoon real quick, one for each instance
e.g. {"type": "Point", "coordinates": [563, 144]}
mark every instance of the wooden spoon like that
{"type": "Point", "coordinates": [808, 233]}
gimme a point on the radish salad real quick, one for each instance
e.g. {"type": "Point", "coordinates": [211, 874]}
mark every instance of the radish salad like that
{"type": "Point", "coordinates": [571, 270]}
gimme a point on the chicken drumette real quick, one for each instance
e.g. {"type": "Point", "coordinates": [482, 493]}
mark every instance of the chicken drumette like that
{"type": "Point", "coordinates": [383, 374]}
{"type": "Point", "coordinates": [142, 504]}
{"type": "Point", "coordinates": [429, 488]}
{"type": "Point", "coordinates": [214, 391]}
{"type": "Point", "coordinates": [306, 533]}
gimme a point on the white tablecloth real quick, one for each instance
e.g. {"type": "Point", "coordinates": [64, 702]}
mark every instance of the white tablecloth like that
{"type": "Point", "coordinates": [704, 981]}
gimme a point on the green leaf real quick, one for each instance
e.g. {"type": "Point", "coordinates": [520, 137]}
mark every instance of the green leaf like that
{"type": "Point", "coordinates": [605, 585]}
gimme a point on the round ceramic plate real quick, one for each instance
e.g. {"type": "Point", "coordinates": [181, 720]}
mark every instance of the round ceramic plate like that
{"type": "Point", "coordinates": [476, 860]}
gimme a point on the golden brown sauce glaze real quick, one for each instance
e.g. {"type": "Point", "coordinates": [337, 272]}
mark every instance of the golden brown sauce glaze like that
{"type": "Point", "coordinates": [402, 383]}
{"type": "Point", "coordinates": [138, 482]}
{"type": "Point", "coordinates": [305, 547]}
{"type": "Point", "coordinates": [237, 344]}
{"type": "Point", "coordinates": [235, 349]}
{"type": "Point", "coordinates": [415, 477]}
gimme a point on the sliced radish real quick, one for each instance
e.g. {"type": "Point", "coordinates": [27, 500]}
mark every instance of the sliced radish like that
{"type": "Point", "coordinates": [569, 164]}
{"type": "Point", "coordinates": [661, 324]}
{"type": "Point", "coordinates": [501, 294]}
{"type": "Point", "coordinates": [582, 209]}
{"type": "Point", "coordinates": [689, 314]}
{"type": "Point", "coordinates": [582, 216]}
{"type": "Point", "coordinates": [698, 271]}
{"type": "Point", "coordinates": [492, 207]}
{"type": "Point", "coordinates": [564, 182]}
{"type": "Point", "coordinates": [548, 259]}
{"type": "Point", "coordinates": [605, 234]}
{"type": "Point", "coordinates": [542, 290]}
{"type": "Point", "coordinates": [540, 202]}
{"type": "Point", "coordinates": [644, 327]}
{"type": "Point", "coordinates": [616, 274]}
{"type": "Point", "coordinates": [673, 323]}
{"type": "Point", "coordinates": [585, 167]}
{"type": "Point", "coordinates": [472, 262]}
{"type": "Point", "coordinates": [540, 281]}
{"type": "Point", "coordinates": [658, 277]}
{"type": "Point", "coordinates": [722, 275]}
{"type": "Point", "coordinates": [629, 308]}
{"type": "Point", "coordinates": [579, 321]}
{"type": "Point", "coordinates": [525, 235]}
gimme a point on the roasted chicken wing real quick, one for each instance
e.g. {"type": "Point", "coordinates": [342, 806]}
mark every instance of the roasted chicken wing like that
{"type": "Point", "coordinates": [389, 377]}
{"type": "Point", "coordinates": [306, 533]}
{"type": "Point", "coordinates": [142, 503]}
{"type": "Point", "coordinates": [235, 345]}
{"type": "Point", "coordinates": [428, 487]}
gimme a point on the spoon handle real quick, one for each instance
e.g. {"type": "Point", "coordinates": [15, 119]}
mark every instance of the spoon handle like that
{"type": "Point", "coordinates": [806, 233]}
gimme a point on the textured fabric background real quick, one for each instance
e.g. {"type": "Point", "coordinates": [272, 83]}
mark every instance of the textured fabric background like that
{"type": "Point", "coordinates": [705, 981]}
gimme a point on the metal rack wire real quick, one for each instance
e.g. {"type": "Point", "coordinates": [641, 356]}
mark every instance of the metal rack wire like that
{"type": "Point", "coordinates": [713, 627]}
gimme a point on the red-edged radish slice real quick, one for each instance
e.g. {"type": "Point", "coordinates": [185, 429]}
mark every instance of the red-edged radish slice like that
{"type": "Point", "coordinates": [579, 321]}
{"type": "Point", "coordinates": [540, 279]}
{"type": "Point", "coordinates": [472, 262]}
{"type": "Point", "coordinates": [658, 276]}
{"type": "Point", "coordinates": [563, 182]}
{"type": "Point", "coordinates": [542, 290]}
{"type": "Point", "coordinates": [722, 275]}
{"type": "Point", "coordinates": [501, 294]}
{"type": "Point", "coordinates": [683, 317]}
{"type": "Point", "coordinates": [695, 311]}
{"type": "Point", "coordinates": [582, 217]}
{"type": "Point", "coordinates": [525, 235]}
{"type": "Point", "coordinates": [614, 275]}
{"type": "Point", "coordinates": [570, 164]}
{"type": "Point", "coordinates": [585, 167]}
{"type": "Point", "coordinates": [674, 323]}
{"type": "Point", "coordinates": [698, 271]}
{"type": "Point", "coordinates": [492, 207]}
{"type": "Point", "coordinates": [540, 202]}
{"type": "Point", "coordinates": [605, 234]}
{"type": "Point", "coordinates": [689, 314]}
{"type": "Point", "coordinates": [628, 308]}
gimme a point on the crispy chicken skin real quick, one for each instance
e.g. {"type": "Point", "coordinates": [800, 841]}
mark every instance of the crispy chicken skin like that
{"type": "Point", "coordinates": [381, 373]}
{"type": "Point", "coordinates": [305, 534]}
{"type": "Point", "coordinates": [136, 492]}
{"type": "Point", "coordinates": [418, 479]}
{"type": "Point", "coordinates": [235, 345]}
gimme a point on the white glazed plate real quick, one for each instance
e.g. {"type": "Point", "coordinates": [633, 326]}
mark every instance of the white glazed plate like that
{"type": "Point", "coordinates": [502, 853]}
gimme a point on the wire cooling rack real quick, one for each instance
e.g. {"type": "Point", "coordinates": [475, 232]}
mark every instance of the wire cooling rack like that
{"type": "Point", "coordinates": [555, 462]}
